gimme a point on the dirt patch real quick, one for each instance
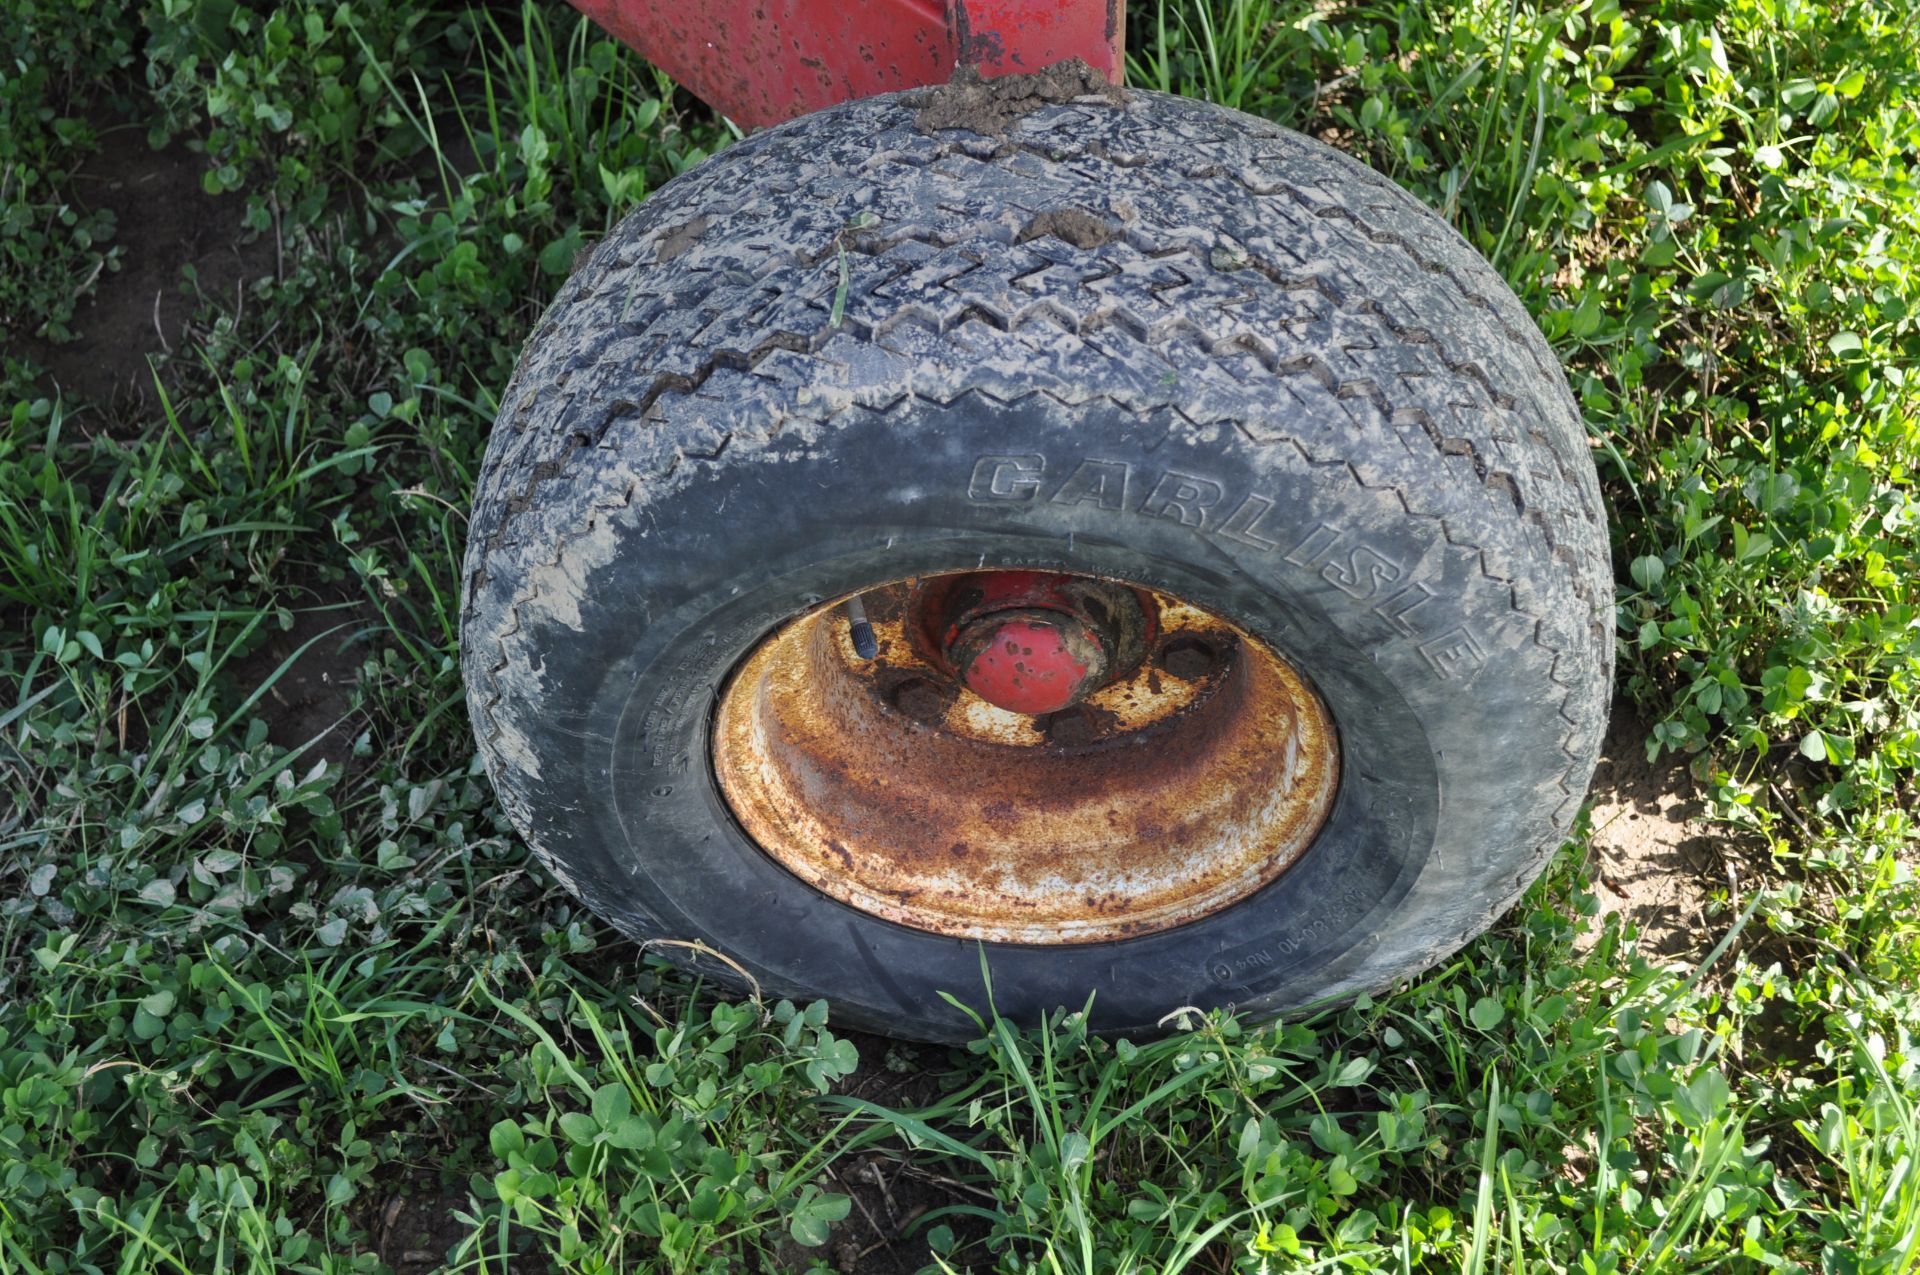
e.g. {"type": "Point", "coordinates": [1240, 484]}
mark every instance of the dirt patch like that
{"type": "Point", "coordinates": [1657, 861]}
{"type": "Point", "coordinates": [416, 1227]}
{"type": "Point", "coordinates": [313, 697]}
{"type": "Point", "coordinates": [163, 220]}
{"type": "Point", "coordinates": [886, 1233]}
{"type": "Point", "coordinates": [991, 107]}
{"type": "Point", "coordinates": [898, 1194]}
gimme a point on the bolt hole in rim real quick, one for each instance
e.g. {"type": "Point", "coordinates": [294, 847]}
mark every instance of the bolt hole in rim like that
{"type": "Point", "coordinates": [1147, 763]}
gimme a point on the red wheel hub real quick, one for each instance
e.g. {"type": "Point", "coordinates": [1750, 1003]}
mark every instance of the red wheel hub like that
{"type": "Point", "coordinates": [1030, 661]}
{"type": "Point", "coordinates": [1030, 642]}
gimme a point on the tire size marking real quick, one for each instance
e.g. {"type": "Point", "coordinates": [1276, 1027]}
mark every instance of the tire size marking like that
{"type": "Point", "coordinates": [664, 738]}
{"type": "Point", "coordinates": [1362, 571]}
{"type": "Point", "coordinates": [1246, 963]}
{"type": "Point", "coordinates": [659, 727]}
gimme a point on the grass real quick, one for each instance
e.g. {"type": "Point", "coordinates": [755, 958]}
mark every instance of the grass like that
{"type": "Point", "coordinates": [261, 987]}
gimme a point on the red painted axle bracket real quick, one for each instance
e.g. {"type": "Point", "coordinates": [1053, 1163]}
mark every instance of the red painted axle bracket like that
{"type": "Point", "coordinates": [762, 61]}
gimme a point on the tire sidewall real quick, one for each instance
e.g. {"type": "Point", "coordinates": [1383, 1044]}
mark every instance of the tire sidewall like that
{"type": "Point", "coordinates": [1370, 604]}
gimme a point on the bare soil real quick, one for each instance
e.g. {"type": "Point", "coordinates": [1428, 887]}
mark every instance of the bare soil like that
{"type": "Point", "coordinates": [893, 1195]}
{"type": "Point", "coordinates": [416, 1227]}
{"type": "Point", "coordinates": [137, 317]}
{"type": "Point", "coordinates": [164, 222]}
{"type": "Point", "coordinates": [681, 238]}
{"type": "Point", "coordinates": [1656, 860]}
{"type": "Point", "coordinates": [311, 698]}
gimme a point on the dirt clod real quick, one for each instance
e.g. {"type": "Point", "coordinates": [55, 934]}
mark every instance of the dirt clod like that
{"type": "Point", "coordinates": [1077, 226]}
{"type": "Point", "coordinates": [682, 237]}
{"type": "Point", "coordinates": [991, 107]}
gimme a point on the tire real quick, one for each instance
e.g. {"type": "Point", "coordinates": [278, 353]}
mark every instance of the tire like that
{"type": "Point", "coordinates": [714, 428]}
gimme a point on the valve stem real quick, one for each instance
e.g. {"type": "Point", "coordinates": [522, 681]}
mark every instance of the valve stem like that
{"type": "Point", "coordinates": [865, 645]}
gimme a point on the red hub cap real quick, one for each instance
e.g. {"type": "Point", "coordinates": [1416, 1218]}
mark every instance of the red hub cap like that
{"type": "Point", "coordinates": [1030, 661]}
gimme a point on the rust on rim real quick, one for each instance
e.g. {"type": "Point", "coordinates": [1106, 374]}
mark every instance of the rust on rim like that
{"type": "Point", "coordinates": [1196, 772]}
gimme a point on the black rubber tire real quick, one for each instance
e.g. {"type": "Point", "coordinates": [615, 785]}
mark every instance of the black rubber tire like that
{"type": "Point", "coordinates": [847, 350]}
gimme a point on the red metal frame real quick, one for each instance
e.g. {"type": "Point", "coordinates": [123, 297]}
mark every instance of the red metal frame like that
{"type": "Point", "coordinates": [762, 61]}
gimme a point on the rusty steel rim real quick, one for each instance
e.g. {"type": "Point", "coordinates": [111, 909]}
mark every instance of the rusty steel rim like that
{"type": "Point", "coordinates": [1195, 769]}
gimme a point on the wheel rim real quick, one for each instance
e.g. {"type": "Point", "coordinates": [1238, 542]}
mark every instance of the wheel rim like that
{"type": "Point", "coordinates": [1191, 768]}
